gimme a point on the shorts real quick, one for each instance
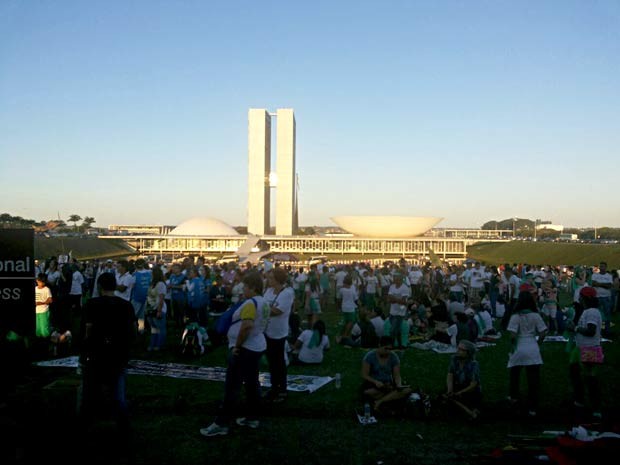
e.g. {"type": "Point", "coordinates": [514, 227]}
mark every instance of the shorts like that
{"type": "Point", "coordinates": [549, 310]}
{"type": "Point", "coordinates": [349, 317]}
{"type": "Point", "coordinates": [314, 307]}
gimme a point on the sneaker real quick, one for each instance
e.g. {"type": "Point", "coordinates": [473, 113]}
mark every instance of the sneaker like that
{"type": "Point", "coordinates": [214, 430]}
{"type": "Point", "coordinates": [597, 415]}
{"type": "Point", "coordinates": [531, 413]}
{"type": "Point", "coordinates": [249, 423]}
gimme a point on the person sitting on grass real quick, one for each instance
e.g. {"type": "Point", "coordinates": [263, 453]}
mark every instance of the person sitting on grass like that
{"type": "Point", "coordinates": [463, 380]}
{"type": "Point", "coordinates": [364, 333]}
{"type": "Point", "coordinates": [311, 345]}
{"type": "Point", "coordinates": [381, 375]}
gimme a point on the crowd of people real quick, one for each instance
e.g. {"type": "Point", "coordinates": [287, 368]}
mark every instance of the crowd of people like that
{"type": "Point", "coordinates": [277, 310]}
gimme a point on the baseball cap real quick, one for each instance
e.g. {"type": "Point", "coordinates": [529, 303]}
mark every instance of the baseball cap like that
{"type": "Point", "coordinates": [587, 291]}
{"type": "Point", "coordinates": [526, 287]}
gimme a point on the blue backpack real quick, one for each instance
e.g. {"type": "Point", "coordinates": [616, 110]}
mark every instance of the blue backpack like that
{"type": "Point", "coordinates": [225, 321]}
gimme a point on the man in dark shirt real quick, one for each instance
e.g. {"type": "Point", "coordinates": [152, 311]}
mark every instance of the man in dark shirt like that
{"type": "Point", "coordinates": [109, 329]}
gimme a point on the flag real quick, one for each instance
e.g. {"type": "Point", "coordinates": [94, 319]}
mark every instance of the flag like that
{"type": "Point", "coordinates": [435, 260]}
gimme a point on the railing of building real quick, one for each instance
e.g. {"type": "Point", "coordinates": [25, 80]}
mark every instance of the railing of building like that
{"type": "Point", "coordinates": [316, 245]}
{"type": "Point", "coordinates": [470, 233]}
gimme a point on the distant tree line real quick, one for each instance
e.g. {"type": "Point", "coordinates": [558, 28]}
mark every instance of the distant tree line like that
{"type": "Point", "coordinates": [524, 227]}
{"type": "Point", "coordinates": [8, 221]}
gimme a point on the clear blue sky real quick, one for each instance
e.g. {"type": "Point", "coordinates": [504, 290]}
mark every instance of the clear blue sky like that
{"type": "Point", "coordinates": [136, 111]}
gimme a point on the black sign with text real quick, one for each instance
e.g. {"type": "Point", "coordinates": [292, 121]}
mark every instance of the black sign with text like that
{"type": "Point", "coordinates": [17, 270]}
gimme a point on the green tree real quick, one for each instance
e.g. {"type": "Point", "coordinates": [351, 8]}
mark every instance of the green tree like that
{"type": "Point", "coordinates": [74, 219]}
{"type": "Point", "coordinates": [88, 222]}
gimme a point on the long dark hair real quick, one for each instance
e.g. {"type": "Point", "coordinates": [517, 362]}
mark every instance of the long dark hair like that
{"type": "Point", "coordinates": [158, 276]}
{"type": "Point", "coordinates": [526, 302]}
{"type": "Point", "coordinates": [319, 326]}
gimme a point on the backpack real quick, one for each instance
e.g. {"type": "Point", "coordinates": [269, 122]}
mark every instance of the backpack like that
{"type": "Point", "coordinates": [191, 343]}
{"type": "Point", "coordinates": [225, 321]}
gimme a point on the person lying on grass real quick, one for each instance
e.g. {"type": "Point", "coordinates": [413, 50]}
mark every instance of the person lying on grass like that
{"type": "Point", "coordinates": [381, 375]}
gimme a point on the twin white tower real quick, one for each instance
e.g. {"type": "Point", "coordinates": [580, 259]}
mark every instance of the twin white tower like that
{"type": "Point", "coordinates": [260, 177]}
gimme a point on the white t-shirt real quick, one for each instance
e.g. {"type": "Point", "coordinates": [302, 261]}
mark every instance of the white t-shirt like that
{"type": "Point", "coordinates": [593, 316]}
{"type": "Point", "coordinates": [248, 311]}
{"type": "Point", "coordinates": [76, 283]}
{"type": "Point", "coordinates": [455, 283]}
{"type": "Point", "coordinates": [401, 291]}
{"type": "Point", "coordinates": [340, 275]}
{"type": "Point", "coordinates": [41, 294]}
{"type": "Point", "coordinates": [314, 355]}
{"type": "Point", "coordinates": [477, 278]}
{"type": "Point", "coordinates": [125, 280]}
{"type": "Point", "coordinates": [484, 320]}
{"type": "Point", "coordinates": [378, 323]}
{"type": "Point", "coordinates": [526, 326]}
{"type": "Point", "coordinates": [277, 327]}
{"type": "Point", "coordinates": [348, 296]}
{"type": "Point", "coordinates": [415, 276]}
{"type": "Point", "coordinates": [602, 279]}
{"type": "Point", "coordinates": [514, 282]}
{"type": "Point", "coordinates": [371, 284]}
{"type": "Point", "coordinates": [236, 293]}
{"type": "Point", "coordinates": [152, 296]}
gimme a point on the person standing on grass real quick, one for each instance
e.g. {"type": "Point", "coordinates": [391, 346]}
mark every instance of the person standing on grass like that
{"type": "Point", "coordinates": [603, 282]}
{"type": "Point", "coordinates": [312, 305]}
{"type": "Point", "coordinates": [156, 310]}
{"type": "Point", "coordinates": [142, 283]}
{"type": "Point", "coordinates": [325, 282]}
{"type": "Point", "coordinates": [524, 325]}
{"type": "Point", "coordinates": [43, 299]}
{"type": "Point", "coordinates": [108, 331]}
{"type": "Point", "coordinates": [246, 342]}
{"type": "Point", "coordinates": [348, 297]}
{"type": "Point", "coordinates": [280, 297]}
{"type": "Point", "coordinates": [398, 295]}
{"type": "Point", "coordinates": [124, 280]}
{"type": "Point", "coordinates": [588, 353]}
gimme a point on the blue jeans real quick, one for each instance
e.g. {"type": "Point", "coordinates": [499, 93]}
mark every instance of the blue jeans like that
{"type": "Point", "coordinates": [604, 305]}
{"type": "Point", "coordinates": [138, 309]}
{"type": "Point", "coordinates": [158, 331]}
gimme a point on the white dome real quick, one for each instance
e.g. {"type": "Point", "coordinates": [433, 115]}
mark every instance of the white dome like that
{"type": "Point", "coordinates": [203, 227]}
{"type": "Point", "coordinates": [386, 226]}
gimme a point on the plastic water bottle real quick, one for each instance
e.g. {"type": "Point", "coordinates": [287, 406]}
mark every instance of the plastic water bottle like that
{"type": "Point", "coordinates": [366, 412]}
{"type": "Point", "coordinates": [338, 381]}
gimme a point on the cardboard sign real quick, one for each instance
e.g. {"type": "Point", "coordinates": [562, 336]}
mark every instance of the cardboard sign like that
{"type": "Point", "coordinates": [17, 281]}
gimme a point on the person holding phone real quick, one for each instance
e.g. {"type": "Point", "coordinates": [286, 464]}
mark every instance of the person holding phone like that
{"type": "Point", "coordinates": [381, 375]}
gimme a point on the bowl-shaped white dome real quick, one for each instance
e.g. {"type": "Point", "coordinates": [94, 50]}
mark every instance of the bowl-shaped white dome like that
{"type": "Point", "coordinates": [203, 227]}
{"type": "Point", "coordinates": [386, 226]}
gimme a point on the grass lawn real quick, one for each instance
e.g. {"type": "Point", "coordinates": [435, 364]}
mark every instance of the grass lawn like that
{"type": "Point", "coordinates": [81, 248]}
{"type": "Point", "coordinates": [546, 253]}
{"type": "Point", "coordinates": [318, 428]}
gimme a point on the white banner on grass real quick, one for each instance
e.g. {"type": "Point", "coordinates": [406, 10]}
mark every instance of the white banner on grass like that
{"type": "Point", "coordinates": [296, 383]}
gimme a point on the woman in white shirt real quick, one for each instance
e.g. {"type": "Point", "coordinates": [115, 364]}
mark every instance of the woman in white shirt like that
{"type": "Point", "coordinates": [280, 298]}
{"type": "Point", "coordinates": [588, 353]}
{"type": "Point", "coordinates": [156, 310]}
{"type": "Point", "coordinates": [246, 341]}
{"type": "Point", "coordinates": [524, 325]}
{"type": "Point", "coordinates": [312, 344]}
